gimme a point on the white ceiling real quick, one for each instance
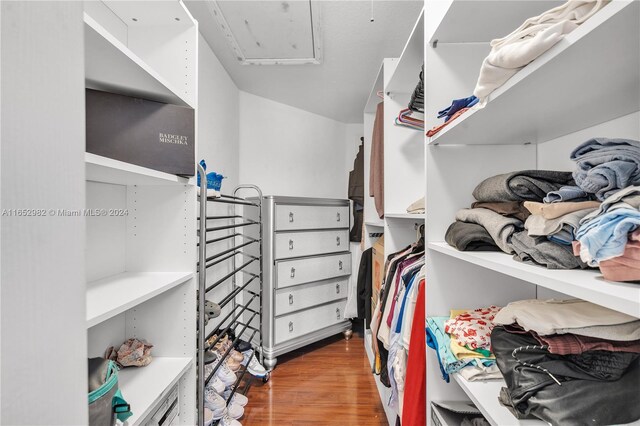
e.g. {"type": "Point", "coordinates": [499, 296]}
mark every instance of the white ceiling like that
{"type": "Point", "coordinates": [353, 49]}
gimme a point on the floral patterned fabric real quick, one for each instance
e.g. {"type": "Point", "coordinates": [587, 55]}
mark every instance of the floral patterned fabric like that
{"type": "Point", "coordinates": [473, 328]}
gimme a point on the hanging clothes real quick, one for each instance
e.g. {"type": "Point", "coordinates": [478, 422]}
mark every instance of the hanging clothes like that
{"type": "Point", "coordinates": [414, 411]}
{"type": "Point", "coordinates": [376, 173]}
{"type": "Point", "coordinates": [356, 194]}
{"type": "Point", "coordinates": [365, 285]}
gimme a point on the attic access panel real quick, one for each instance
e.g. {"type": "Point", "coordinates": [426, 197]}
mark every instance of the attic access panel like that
{"type": "Point", "coordinates": [271, 32]}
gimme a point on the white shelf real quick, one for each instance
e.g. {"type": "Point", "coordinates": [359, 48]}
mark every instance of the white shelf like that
{"type": "Point", "coordinates": [484, 395]}
{"type": "Point", "coordinates": [111, 66]}
{"type": "Point", "coordinates": [379, 224]}
{"type": "Point", "coordinates": [528, 101]}
{"type": "Point", "coordinates": [407, 74]}
{"type": "Point", "coordinates": [410, 216]}
{"type": "Point", "coordinates": [108, 170]}
{"type": "Point", "coordinates": [586, 285]}
{"type": "Point", "coordinates": [484, 20]}
{"type": "Point", "coordinates": [113, 295]}
{"type": "Point", "coordinates": [143, 387]}
{"type": "Point", "coordinates": [373, 100]}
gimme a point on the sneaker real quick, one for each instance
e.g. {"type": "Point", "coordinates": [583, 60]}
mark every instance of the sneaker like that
{"type": "Point", "coordinates": [208, 417]}
{"type": "Point", "coordinates": [212, 309]}
{"type": "Point", "coordinates": [228, 421]}
{"type": "Point", "coordinates": [235, 411]}
{"type": "Point", "coordinates": [227, 376]}
{"type": "Point", "coordinates": [255, 368]}
{"type": "Point", "coordinates": [237, 398]}
{"type": "Point", "coordinates": [216, 384]}
{"type": "Point", "coordinates": [215, 403]}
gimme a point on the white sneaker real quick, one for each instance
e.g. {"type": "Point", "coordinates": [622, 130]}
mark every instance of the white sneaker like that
{"type": "Point", "coordinates": [216, 384]}
{"type": "Point", "coordinates": [228, 421]}
{"type": "Point", "coordinates": [226, 376]}
{"type": "Point", "coordinates": [235, 411]}
{"type": "Point", "coordinates": [255, 368]}
{"type": "Point", "coordinates": [237, 398]}
{"type": "Point", "coordinates": [215, 403]}
{"type": "Point", "coordinates": [208, 417]}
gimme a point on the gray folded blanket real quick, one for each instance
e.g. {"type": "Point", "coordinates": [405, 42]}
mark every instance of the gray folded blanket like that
{"type": "Point", "coordinates": [541, 251]}
{"type": "Point", "coordinates": [606, 165]}
{"type": "Point", "coordinates": [469, 237]}
{"type": "Point", "coordinates": [499, 227]}
{"type": "Point", "coordinates": [526, 185]}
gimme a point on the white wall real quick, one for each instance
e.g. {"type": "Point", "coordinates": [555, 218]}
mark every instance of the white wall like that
{"type": "Point", "coordinates": [288, 151]}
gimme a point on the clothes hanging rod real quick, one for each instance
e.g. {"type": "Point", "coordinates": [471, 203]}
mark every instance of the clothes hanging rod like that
{"type": "Point", "coordinates": [226, 277]}
{"type": "Point", "coordinates": [226, 353]}
{"type": "Point", "coordinates": [235, 292]}
{"type": "Point", "coordinates": [233, 321]}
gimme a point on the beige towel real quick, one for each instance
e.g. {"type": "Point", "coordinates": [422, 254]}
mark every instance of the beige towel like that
{"type": "Point", "coordinates": [554, 210]}
{"type": "Point", "coordinates": [416, 207]}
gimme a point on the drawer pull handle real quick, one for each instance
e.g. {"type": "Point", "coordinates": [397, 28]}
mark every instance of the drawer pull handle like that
{"type": "Point", "coordinates": [293, 272]}
{"type": "Point", "coordinates": [291, 299]}
{"type": "Point", "coordinates": [338, 288]}
{"type": "Point", "coordinates": [290, 216]}
{"type": "Point", "coordinates": [290, 244]}
{"type": "Point", "coordinates": [338, 313]}
{"type": "Point", "coordinates": [340, 265]}
{"type": "Point", "coordinates": [337, 241]}
{"type": "Point", "coordinates": [338, 217]}
{"type": "Point", "coordinates": [290, 326]}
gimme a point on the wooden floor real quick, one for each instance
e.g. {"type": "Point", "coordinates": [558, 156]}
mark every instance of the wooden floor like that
{"type": "Point", "coordinates": [327, 383]}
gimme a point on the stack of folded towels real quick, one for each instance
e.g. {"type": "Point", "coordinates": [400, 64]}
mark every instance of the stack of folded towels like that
{"type": "Point", "coordinates": [463, 344]}
{"type": "Point", "coordinates": [568, 362]}
{"type": "Point", "coordinates": [562, 220]}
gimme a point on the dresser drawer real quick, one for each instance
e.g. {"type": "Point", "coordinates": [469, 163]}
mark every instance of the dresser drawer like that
{"type": "Point", "coordinates": [306, 296]}
{"type": "Point", "coordinates": [298, 244]}
{"type": "Point", "coordinates": [291, 217]}
{"type": "Point", "coordinates": [300, 271]}
{"type": "Point", "coordinates": [298, 324]}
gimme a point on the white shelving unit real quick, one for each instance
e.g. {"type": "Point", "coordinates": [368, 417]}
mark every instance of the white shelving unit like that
{"type": "Point", "coordinates": [405, 76]}
{"type": "Point", "coordinates": [409, 216]}
{"type": "Point", "coordinates": [141, 261]}
{"type": "Point", "coordinates": [143, 387]}
{"type": "Point", "coordinates": [533, 121]}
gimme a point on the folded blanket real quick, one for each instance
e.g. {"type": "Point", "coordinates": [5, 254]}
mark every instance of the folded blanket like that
{"type": "Point", "coordinates": [605, 166]}
{"type": "Point", "coordinates": [499, 227]}
{"type": "Point", "coordinates": [605, 237]}
{"type": "Point", "coordinates": [524, 185]}
{"type": "Point", "coordinates": [541, 251]}
{"type": "Point", "coordinates": [534, 37]}
{"type": "Point", "coordinates": [508, 208]}
{"type": "Point", "coordinates": [416, 207]}
{"type": "Point", "coordinates": [567, 193]}
{"type": "Point", "coordinates": [469, 237]}
{"type": "Point", "coordinates": [539, 226]}
{"type": "Point", "coordinates": [555, 210]}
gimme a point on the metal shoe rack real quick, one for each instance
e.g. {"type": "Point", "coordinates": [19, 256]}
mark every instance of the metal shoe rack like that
{"type": "Point", "coordinates": [242, 320]}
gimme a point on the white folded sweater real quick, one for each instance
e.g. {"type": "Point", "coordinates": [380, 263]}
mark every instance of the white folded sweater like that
{"type": "Point", "coordinates": [534, 37]}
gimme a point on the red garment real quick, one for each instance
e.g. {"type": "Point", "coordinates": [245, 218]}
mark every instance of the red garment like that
{"type": "Point", "coordinates": [414, 407]}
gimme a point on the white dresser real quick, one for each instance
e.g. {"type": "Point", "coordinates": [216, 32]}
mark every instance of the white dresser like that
{"type": "Point", "coordinates": [306, 266]}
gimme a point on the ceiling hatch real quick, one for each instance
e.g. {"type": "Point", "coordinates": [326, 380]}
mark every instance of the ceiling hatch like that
{"type": "Point", "coordinates": [271, 32]}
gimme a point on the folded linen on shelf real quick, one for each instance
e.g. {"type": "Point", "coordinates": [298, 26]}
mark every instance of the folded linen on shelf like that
{"type": "Point", "coordinates": [472, 328]}
{"type": "Point", "coordinates": [541, 251]}
{"type": "Point", "coordinates": [469, 237]}
{"type": "Point", "coordinates": [500, 228]}
{"type": "Point", "coordinates": [560, 316]}
{"type": "Point", "coordinates": [539, 226]}
{"type": "Point", "coordinates": [567, 193]}
{"type": "Point", "coordinates": [605, 165]}
{"type": "Point", "coordinates": [625, 198]}
{"type": "Point", "coordinates": [622, 332]}
{"type": "Point", "coordinates": [555, 210]}
{"type": "Point", "coordinates": [534, 37]}
{"type": "Point", "coordinates": [599, 379]}
{"type": "Point", "coordinates": [605, 236]}
{"type": "Point", "coordinates": [627, 266]}
{"type": "Point", "coordinates": [514, 209]}
{"type": "Point", "coordinates": [417, 206]}
{"type": "Point", "coordinates": [566, 344]}
{"type": "Point", "coordinates": [523, 185]}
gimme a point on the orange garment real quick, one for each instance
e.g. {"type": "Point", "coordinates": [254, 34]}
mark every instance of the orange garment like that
{"type": "Point", "coordinates": [376, 172]}
{"type": "Point", "coordinates": [436, 129]}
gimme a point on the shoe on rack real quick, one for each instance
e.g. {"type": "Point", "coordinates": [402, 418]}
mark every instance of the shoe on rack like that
{"type": "Point", "coordinates": [242, 346]}
{"type": "Point", "coordinates": [216, 384]}
{"type": "Point", "coordinates": [224, 373]}
{"type": "Point", "coordinates": [208, 417]}
{"type": "Point", "coordinates": [212, 309]}
{"type": "Point", "coordinates": [228, 421]}
{"type": "Point", "coordinates": [235, 411]}
{"type": "Point", "coordinates": [215, 403]}
{"type": "Point", "coordinates": [237, 398]}
{"type": "Point", "coordinates": [255, 368]}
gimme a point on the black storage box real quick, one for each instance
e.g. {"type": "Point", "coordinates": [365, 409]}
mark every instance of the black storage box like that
{"type": "Point", "coordinates": [137, 131]}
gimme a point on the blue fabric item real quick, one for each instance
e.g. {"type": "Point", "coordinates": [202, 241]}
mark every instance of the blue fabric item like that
{"type": "Point", "coordinates": [605, 166]}
{"type": "Point", "coordinates": [566, 193]}
{"type": "Point", "coordinates": [605, 236]}
{"type": "Point", "coordinates": [404, 301]}
{"type": "Point", "coordinates": [432, 342]}
{"type": "Point", "coordinates": [457, 105]}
